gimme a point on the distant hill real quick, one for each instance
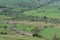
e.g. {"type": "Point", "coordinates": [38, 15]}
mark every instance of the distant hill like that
{"type": "Point", "coordinates": [29, 4]}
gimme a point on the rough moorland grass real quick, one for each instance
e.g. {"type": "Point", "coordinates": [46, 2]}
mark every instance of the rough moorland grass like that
{"type": "Point", "coordinates": [18, 37]}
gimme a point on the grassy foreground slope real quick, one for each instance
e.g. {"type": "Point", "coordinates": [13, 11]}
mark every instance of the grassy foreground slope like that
{"type": "Point", "coordinates": [47, 34]}
{"type": "Point", "coordinates": [18, 37]}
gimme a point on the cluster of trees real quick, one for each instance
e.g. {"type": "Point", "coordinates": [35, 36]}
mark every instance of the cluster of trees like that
{"type": "Point", "coordinates": [37, 18]}
{"type": "Point", "coordinates": [33, 4]}
{"type": "Point", "coordinates": [4, 32]}
{"type": "Point", "coordinates": [36, 32]}
{"type": "Point", "coordinates": [10, 12]}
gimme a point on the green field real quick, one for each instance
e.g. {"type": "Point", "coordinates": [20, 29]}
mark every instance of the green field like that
{"type": "Point", "coordinates": [52, 12]}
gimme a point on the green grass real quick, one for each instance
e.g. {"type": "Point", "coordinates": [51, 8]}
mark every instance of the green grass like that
{"type": "Point", "coordinates": [48, 12]}
{"type": "Point", "coordinates": [18, 37]}
{"type": "Point", "coordinates": [50, 32]}
{"type": "Point", "coordinates": [24, 27]}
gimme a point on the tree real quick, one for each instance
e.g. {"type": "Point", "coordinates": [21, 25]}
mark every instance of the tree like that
{"type": "Point", "coordinates": [45, 17]}
{"type": "Point", "coordinates": [36, 32]}
{"type": "Point", "coordinates": [5, 27]}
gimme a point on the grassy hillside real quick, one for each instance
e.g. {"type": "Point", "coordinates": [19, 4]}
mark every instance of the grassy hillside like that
{"type": "Point", "coordinates": [36, 7]}
{"type": "Point", "coordinates": [29, 19]}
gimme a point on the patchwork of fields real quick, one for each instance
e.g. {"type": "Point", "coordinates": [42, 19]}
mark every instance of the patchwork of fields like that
{"type": "Point", "coordinates": [29, 19]}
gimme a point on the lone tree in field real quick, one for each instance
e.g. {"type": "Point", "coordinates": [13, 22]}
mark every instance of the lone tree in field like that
{"type": "Point", "coordinates": [5, 27]}
{"type": "Point", "coordinates": [36, 32]}
{"type": "Point", "coordinates": [45, 18]}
